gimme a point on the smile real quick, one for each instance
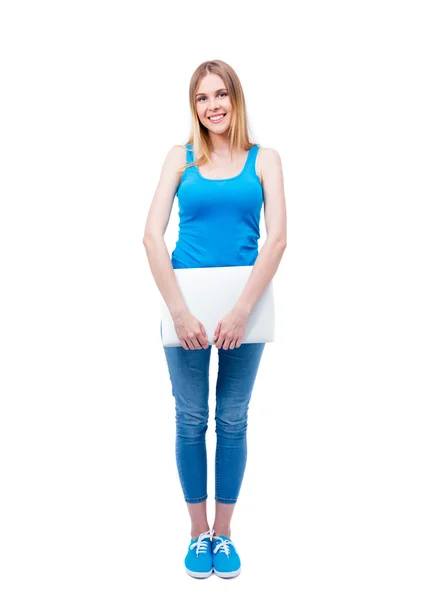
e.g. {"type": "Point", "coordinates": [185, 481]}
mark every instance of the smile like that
{"type": "Point", "coordinates": [217, 119]}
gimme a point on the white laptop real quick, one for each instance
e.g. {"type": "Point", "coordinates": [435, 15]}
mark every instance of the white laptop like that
{"type": "Point", "coordinates": [210, 293]}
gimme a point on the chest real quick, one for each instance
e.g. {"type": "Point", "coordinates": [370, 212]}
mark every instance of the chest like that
{"type": "Point", "coordinates": [223, 168]}
{"type": "Point", "coordinates": [224, 201]}
{"type": "Point", "coordinates": [226, 169]}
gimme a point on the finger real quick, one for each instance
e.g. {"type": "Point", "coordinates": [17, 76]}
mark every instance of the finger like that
{"type": "Point", "coordinates": [202, 338]}
{"type": "Point", "coordinates": [192, 342]}
{"type": "Point", "coordinates": [203, 341]}
{"type": "Point", "coordinates": [226, 344]}
{"type": "Point", "coordinates": [198, 341]}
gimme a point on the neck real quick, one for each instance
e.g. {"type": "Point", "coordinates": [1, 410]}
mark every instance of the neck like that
{"type": "Point", "coordinates": [220, 144]}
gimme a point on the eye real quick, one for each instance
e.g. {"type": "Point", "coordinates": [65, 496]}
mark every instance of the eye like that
{"type": "Point", "coordinates": [220, 94]}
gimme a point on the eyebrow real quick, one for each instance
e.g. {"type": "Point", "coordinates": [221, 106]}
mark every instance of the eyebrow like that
{"type": "Point", "coordinates": [203, 94]}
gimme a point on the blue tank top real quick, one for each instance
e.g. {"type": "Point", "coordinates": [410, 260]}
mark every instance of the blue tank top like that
{"type": "Point", "coordinates": [218, 218]}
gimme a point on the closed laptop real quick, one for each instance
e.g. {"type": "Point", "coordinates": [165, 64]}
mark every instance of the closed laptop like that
{"type": "Point", "coordinates": [210, 293]}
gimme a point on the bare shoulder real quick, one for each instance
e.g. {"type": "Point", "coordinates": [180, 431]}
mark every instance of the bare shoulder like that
{"type": "Point", "coordinates": [179, 149]}
{"type": "Point", "coordinates": [174, 159]}
{"type": "Point", "coordinates": [176, 156]}
{"type": "Point", "coordinates": [268, 161]}
{"type": "Point", "coordinates": [269, 155]}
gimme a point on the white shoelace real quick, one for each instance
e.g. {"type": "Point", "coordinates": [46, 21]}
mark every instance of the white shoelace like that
{"type": "Point", "coordinates": [223, 545]}
{"type": "Point", "coordinates": [201, 543]}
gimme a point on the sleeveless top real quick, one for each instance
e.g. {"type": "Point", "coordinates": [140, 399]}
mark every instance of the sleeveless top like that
{"type": "Point", "coordinates": [218, 218]}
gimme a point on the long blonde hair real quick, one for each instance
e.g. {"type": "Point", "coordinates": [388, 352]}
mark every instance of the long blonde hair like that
{"type": "Point", "coordinates": [238, 132]}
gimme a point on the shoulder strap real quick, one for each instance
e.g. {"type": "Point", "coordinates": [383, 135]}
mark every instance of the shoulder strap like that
{"type": "Point", "coordinates": [251, 158]}
{"type": "Point", "coordinates": [189, 154]}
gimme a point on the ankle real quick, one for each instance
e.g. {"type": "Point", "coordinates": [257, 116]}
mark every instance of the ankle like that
{"type": "Point", "coordinates": [197, 530]}
{"type": "Point", "coordinates": [222, 530]}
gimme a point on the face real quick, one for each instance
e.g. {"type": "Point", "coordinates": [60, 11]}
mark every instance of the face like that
{"type": "Point", "coordinates": [212, 99]}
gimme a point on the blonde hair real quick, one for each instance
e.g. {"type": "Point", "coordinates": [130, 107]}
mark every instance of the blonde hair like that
{"type": "Point", "coordinates": [238, 131]}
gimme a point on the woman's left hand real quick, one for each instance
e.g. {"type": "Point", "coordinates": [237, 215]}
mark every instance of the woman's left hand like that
{"type": "Point", "coordinates": [231, 329]}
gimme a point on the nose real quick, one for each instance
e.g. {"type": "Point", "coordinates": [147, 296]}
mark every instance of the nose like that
{"type": "Point", "coordinates": [213, 104]}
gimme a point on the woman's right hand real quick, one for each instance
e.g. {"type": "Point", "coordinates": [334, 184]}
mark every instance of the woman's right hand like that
{"type": "Point", "coordinates": [190, 332]}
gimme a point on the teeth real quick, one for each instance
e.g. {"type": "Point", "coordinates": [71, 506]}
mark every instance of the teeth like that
{"type": "Point", "coordinates": [215, 119]}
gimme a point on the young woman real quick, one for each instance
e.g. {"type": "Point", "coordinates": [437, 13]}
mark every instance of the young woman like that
{"type": "Point", "coordinates": [222, 180]}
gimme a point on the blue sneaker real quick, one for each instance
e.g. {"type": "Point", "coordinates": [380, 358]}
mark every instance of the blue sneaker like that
{"type": "Point", "coordinates": [226, 562]}
{"type": "Point", "coordinates": [198, 561]}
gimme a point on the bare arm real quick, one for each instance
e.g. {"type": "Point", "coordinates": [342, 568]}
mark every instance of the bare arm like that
{"type": "Point", "coordinates": [156, 225]}
{"type": "Point", "coordinates": [273, 248]}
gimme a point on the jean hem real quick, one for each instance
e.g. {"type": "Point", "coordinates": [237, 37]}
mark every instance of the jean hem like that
{"type": "Point", "coordinates": [195, 500]}
{"type": "Point", "coordinates": [225, 500]}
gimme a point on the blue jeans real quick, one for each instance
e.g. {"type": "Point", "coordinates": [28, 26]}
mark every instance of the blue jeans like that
{"type": "Point", "coordinates": [189, 375]}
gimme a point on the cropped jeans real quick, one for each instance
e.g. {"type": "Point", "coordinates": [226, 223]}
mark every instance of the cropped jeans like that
{"type": "Point", "coordinates": [189, 375]}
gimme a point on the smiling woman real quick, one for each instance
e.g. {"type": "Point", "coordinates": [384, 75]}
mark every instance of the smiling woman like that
{"type": "Point", "coordinates": [213, 107]}
{"type": "Point", "coordinates": [222, 181]}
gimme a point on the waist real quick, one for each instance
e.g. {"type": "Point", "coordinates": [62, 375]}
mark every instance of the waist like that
{"type": "Point", "coordinates": [187, 257]}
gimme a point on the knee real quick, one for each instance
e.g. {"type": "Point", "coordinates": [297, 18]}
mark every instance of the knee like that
{"type": "Point", "coordinates": [191, 425]}
{"type": "Point", "coordinates": [231, 426]}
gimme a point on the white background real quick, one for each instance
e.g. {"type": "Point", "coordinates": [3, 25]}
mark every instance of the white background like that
{"type": "Point", "coordinates": [342, 491]}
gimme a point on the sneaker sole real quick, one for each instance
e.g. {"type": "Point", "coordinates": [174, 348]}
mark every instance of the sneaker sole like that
{"type": "Point", "coordinates": [228, 574]}
{"type": "Point", "coordinates": [198, 574]}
